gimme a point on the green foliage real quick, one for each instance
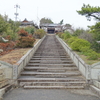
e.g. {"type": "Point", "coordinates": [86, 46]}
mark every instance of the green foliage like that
{"type": "Point", "coordinates": [14, 25]}
{"type": "Point", "coordinates": [90, 11]}
{"type": "Point", "coordinates": [39, 33]}
{"type": "Point", "coordinates": [61, 22]}
{"type": "Point", "coordinates": [82, 46]}
{"type": "Point", "coordinates": [66, 35]}
{"type": "Point", "coordinates": [93, 56]}
{"type": "Point", "coordinates": [45, 20]}
{"type": "Point", "coordinates": [78, 31]}
{"type": "Point", "coordinates": [95, 31]}
{"type": "Point", "coordinates": [72, 39]}
{"type": "Point", "coordinates": [3, 25]}
{"type": "Point", "coordinates": [85, 49]}
{"type": "Point", "coordinates": [8, 28]}
{"type": "Point", "coordinates": [59, 34]}
{"type": "Point", "coordinates": [30, 30]}
{"type": "Point", "coordinates": [79, 43]}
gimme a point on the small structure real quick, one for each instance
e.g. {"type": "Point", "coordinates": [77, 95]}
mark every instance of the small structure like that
{"type": "Point", "coordinates": [26, 23]}
{"type": "Point", "coordinates": [51, 28]}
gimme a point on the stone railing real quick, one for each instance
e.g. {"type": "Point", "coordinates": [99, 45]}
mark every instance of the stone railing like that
{"type": "Point", "coordinates": [90, 72]}
{"type": "Point", "coordinates": [18, 67]}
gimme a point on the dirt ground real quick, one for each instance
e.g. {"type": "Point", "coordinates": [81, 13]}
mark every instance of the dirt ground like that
{"type": "Point", "coordinates": [14, 56]}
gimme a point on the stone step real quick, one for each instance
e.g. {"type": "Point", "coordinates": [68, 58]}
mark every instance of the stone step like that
{"type": "Point", "coordinates": [51, 69]}
{"type": "Point", "coordinates": [50, 65]}
{"type": "Point", "coordinates": [80, 83]}
{"type": "Point", "coordinates": [50, 56]}
{"type": "Point", "coordinates": [49, 74]}
{"type": "Point", "coordinates": [55, 51]}
{"type": "Point", "coordinates": [53, 87]}
{"type": "Point", "coordinates": [50, 61]}
{"type": "Point", "coordinates": [34, 79]}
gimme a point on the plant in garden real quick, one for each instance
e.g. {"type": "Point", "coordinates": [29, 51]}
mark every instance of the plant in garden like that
{"type": "Point", "coordinates": [25, 42]}
{"type": "Point", "coordinates": [79, 43]}
{"type": "Point", "coordinates": [78, 31]}
{"type": "Point", "coordinates": [22, 32]}
{"type": "Point", "coordinates": [39, 33]}
{"type": "Point", "coordinates": [66, 35]}
{"type": "Point", "coordinates": [72, 39]}
{"type": "Point", "coordinates": [7, 46]}
{"type": "Point", "coordinates": [30, 30]}
{"type": "Point", "coordinates": [59, 34]}
{"type": "Point", "coordinates": [93, 56]}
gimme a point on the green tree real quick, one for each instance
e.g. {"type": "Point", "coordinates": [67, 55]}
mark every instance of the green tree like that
{"type": "Point", "coordinates": [90, 11]}
{"type": "Point", "coordinates": [30, 30]}
{"type": "Point", "coordinates": [14, 25]}
{"type": "Point", "coordinates": [3, 25]}
{"type": "Point", "coordinates": [61, 22]}
{"type": "Point", "coordinates": [45, 20]}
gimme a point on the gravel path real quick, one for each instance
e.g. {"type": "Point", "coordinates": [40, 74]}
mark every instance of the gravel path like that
{"type": "Point", "coordinates": [50, 94]}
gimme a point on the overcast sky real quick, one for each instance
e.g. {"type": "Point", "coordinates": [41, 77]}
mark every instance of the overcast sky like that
{"type": "Point", "coordinates": [56, 10]}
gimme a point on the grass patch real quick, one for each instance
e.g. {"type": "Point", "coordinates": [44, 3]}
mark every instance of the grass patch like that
{"type": "Point", "coordinates": [87, 61]}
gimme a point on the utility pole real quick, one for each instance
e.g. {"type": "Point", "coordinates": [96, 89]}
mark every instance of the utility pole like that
{"type": "Point", "coordinates": [16, 13]}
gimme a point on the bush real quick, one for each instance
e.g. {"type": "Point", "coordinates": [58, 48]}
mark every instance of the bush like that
{"type": "Point", "coordinates": [78, 31]}
{"type": "Point", "coordinates": [59, 34]}
{"type": "Point", "coordinates": [93, 56]}
{"type": "Point", "coordinates": [30, 30]}
{"type": "Point", "coordinates": [66, 35]}
{"type": "Point", "coordinates": [22, 32]}
{"type": "Point", "coordinates": [79, 43]}
{"type": "Point", "coordinates": [7, 46]}
{"type": "Point", "coordinates": [25, 42]}
{"type": "Point", "coordinates": [72, 39]}
{"type": "Point", "coordinates": [84, 49]}
{"type": "Point", "coordinates": [39, 33]}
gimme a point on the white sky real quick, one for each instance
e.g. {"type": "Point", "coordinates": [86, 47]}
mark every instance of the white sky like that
{"type": "Point", "coordinates": [56, 10]}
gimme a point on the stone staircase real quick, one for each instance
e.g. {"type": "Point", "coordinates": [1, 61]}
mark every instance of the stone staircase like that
{"type": "Point", "coordinates": [51, 67]}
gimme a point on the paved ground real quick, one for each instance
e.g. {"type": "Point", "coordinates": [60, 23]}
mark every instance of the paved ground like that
{"type": "Point", "coordinates": [49, 94]}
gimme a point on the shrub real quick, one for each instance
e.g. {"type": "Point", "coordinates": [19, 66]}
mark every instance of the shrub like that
{"type": "Point", "coordinates": [22, 32]}
{"type": "Point", "coordinates": [66, 35]}
{"type": "Point", "coordinates": [30, 30]}
{"type": "Point", "coordinates": [79, 43]}
{"type": "Point", "coordinates": [93, 56]}
{"type": "Point", "coordinates": [87, 52]}
{"type": "Point", "coordinates": [72, 39]}
{"type": "Point", "coordinates": [7, 46]}
{"type": "Point", "coordinates": [78, 31]}
{"type": "Point", "coordinates": [84, 49]}
{"type": "Point", "coordinates": [39, 33]}
{"type": "Point", "coordinates": [59, 34]}
{"type": "Point", "coordinates": [25, 42]}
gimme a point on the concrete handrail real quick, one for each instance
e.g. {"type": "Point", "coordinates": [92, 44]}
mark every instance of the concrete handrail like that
{"type": "Point", "coordinates": [18, 67]}
{"type": "Point", "coordinates": [82, 66]}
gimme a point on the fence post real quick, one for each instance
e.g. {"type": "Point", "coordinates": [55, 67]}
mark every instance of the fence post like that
{"type": "Point", "coordinates": [15, 71]}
